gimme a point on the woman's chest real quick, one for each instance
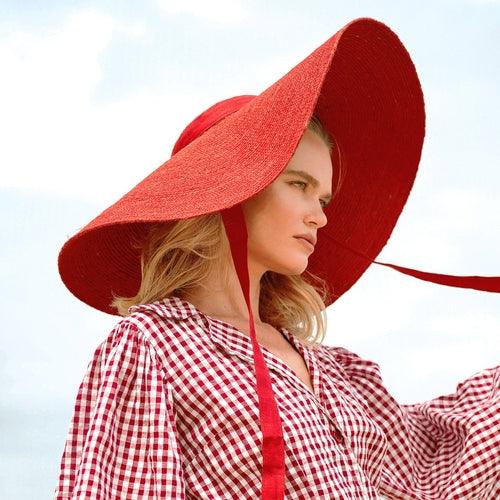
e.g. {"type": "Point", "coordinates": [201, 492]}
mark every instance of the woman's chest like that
{"type": "Point", "coordinates": [217, 414]}
{"type": "Point", "coordinates": [293, 360]}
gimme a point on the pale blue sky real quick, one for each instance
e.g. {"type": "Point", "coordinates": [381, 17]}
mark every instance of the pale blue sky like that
{"type": "Point", "coordinates": [93, 96]}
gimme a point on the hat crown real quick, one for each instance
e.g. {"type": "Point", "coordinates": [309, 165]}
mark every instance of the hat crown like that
{"type": "Point", "coordinates": [209, 118]}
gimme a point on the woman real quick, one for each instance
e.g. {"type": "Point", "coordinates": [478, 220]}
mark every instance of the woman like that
{"type": "Point", "coordinates": [215, 384]}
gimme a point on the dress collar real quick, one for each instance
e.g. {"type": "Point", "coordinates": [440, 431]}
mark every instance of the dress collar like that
{"type": "Point", "coordinates": [232, 341]}
{"type": "Point", "coordinates": [177, 308]}
{"type": "Point", "coordinates": [169, 307]}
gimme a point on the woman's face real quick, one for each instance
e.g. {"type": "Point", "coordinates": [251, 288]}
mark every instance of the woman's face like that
{"type": "Point", "coordinates": [288, 207]}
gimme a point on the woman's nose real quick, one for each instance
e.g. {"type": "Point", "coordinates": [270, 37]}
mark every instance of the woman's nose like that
{"type": "Point", "coordinates": [318, 217]}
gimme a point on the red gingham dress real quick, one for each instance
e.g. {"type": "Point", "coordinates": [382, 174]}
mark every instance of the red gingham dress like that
{"type": "Point", "coordinates": [168, 410]}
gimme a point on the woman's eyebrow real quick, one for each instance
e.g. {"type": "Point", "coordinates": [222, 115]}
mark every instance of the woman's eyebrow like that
{"type": "Point", "coordinates": [314, 182]}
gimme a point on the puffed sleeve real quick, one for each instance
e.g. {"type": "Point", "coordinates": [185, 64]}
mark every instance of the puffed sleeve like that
{"type": "Point", "coordinates": [122, 440]}
{"type": "Point", "coordinates": [444, 448]}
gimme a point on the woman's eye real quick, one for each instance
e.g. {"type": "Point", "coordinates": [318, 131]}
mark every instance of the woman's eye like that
{"type": "Point", "coordinates": [323, 203]}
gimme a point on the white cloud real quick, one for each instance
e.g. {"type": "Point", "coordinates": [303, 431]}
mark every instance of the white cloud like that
{"type": "Point", "coordinates": [44, 97]}
{"type": "Point", "coordinates": [220, 11]}
{"type": "Point", "coordinates": [374, 307]}
{"type": "Point", "coordinates": [454, 348]}
{"type": "Point", "coordinates": [54, 67]}
{"type": "Point", "coordinates": [55, 137]}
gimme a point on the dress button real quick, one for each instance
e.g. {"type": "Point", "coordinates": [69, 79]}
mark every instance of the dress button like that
{"type": "Point", "coordinates": [338, 435]}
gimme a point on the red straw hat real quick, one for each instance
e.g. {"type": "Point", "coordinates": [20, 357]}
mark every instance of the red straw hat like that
{"type": "Point", "coordinates": [362, 85]}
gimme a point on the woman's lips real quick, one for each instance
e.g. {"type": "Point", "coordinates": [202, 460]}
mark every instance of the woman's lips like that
{"type": "Point", "coordinates": [305, 243]}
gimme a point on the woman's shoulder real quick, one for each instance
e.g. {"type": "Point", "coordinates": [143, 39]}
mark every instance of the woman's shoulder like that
{"type": "Point", "coordinates": [341, 354]}
{"type": "Point", "coordinates": [348, 362]}
{"type": "Point", "coordinates": [170, 308]}
{"type": "Point", "coordinates": [160, 316]}
{"type": "Point", "coordinates": [166, 325]}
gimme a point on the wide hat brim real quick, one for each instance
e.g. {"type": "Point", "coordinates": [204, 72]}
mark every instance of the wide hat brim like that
{"type": "Point", "coordinates": [362, 85]}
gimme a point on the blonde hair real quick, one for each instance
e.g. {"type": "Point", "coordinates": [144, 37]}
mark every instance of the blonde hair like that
{"type": "Point", "coordinates": [180, 256]}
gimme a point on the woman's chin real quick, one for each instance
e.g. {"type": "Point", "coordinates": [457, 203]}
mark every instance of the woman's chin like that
{"type": "Point", "coordinates": [297, 267]}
